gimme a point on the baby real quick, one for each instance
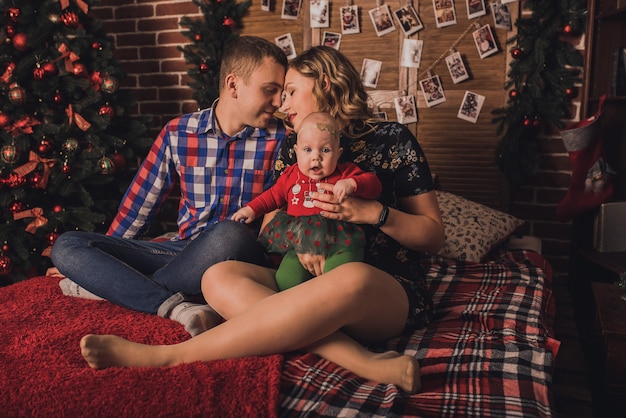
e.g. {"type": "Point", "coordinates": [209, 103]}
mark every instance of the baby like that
{"type": "Point", "coordinates": [301, 229]}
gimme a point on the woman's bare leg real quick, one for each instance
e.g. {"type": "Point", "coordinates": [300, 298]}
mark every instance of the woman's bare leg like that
{"type": "Point", "coordinates": [357, 298]}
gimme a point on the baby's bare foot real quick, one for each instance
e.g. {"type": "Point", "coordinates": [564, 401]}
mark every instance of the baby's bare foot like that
{"type": "Point", "coordinates": [102, 351]}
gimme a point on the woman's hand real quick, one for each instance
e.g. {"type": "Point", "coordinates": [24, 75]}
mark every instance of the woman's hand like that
{"type": "Point", "coordinates": [351, 209]}
{"type": "Point", "coordinates": [314, 263]}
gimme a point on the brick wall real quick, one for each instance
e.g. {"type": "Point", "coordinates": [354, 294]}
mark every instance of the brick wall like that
{"type": "Point", "coordinates": [146, 34]}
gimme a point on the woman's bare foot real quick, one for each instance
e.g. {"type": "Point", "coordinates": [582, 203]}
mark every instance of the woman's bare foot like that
{"type": "Point", "coordinates": [102, 351]}
{"type": "Point", "coordinates": [400, 370]}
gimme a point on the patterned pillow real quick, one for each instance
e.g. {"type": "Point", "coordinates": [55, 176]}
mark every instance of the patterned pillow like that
{"type": "Point", "coordinates": [472, 229]}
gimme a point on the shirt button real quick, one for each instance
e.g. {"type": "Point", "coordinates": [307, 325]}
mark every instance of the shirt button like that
{"type": "Point", "coordinates": [221, 200]}
{"type": "Point", "coordinates": [226, 171]}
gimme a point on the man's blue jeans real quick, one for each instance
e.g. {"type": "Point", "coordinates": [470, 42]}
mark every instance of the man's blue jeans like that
{"type": "Point", "coordinates": [141, 275]}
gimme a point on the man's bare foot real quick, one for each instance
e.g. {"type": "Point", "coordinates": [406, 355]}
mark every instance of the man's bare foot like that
{"type": "Point", "coordinates": [102, 351]}
{"type": "Point", "coordinates": [400, 370]}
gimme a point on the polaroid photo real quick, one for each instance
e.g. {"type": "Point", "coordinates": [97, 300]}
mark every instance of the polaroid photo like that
{"type": "Point", "coordinates": [501, 16]}
{"type": "Point", "coordinates": [475, 8]}
{"type": "Point", "coordinates": [332, 39]}
{"type": "Point", "coordinates": [349, 20]}
{"type": "Point", "coordinates": [432, 91]}
{"type": "Point", "coordinates": [380, 115]}
{"type": "Point", "coordinates": [382, 20]}
{"type": "Point", "coordinates": [456, 66]}
{"type": "Point", "coordinates": [319, 13]}
{"type": "Point", "coordinates": [406, 109]}
{"type": "Point", "coordinates": [285, 42]}
{"type": "Point", "coordinates": [445, 15]}
{"type": "Point", "coordinates": [409, 20]}
{"type": "Point", "coordinates": [265, 5]}
{"type": "Point", "coordinates": [291, 9]}
{"type": "Point", "coordinates": [411, 53]}
{"type": "Point", "coordinates": [370, 71]}
{"type": "Point", "coordinates": [470, 107]}
{"type": "Point", "coordinates": [485, 41]}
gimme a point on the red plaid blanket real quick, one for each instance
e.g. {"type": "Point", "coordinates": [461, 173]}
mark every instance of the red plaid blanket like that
{"type": "Point", "coordinates": [490, 353]}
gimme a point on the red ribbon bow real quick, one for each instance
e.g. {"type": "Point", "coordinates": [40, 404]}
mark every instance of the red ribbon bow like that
{"type": "Point", "coordinates": [68, 56]}
{"type": "Point", "coordinates": [36, 213]}
{"type": "Point", "coordinates": [23, 126]}
{"type": "Point", "coordinates": [33, 161]}
{"type": "Point", "coordinates": [76, 118]}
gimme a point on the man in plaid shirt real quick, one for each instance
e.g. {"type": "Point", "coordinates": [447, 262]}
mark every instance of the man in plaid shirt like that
{"type": "Point", "coordinates": [223, 157]}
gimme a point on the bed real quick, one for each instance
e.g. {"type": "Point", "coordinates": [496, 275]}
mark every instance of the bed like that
{"type": "Point", "coordinates": [490, 351]}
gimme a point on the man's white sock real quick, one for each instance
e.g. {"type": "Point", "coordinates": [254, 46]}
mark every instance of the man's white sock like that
{"type": "Point", "coordinates": [69, 288]}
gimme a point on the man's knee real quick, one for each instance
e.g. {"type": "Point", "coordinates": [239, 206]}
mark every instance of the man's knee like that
{"type": "Point", "coordinates": [64, 244]}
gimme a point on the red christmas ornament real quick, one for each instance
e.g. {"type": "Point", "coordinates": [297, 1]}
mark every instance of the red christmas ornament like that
{"type": "Point", "coordinates": [571, 92]}
{"type": "Point", "coordinates": [39, 73]}
{"type": "Point", "coordinates": [57, 98]}
{"type": "Point", "coordinates": [16, 206]}
{"type": "Point", "coordinates": [527, 122]}
{"type": "Point", "coordinates": [70, 19]}
{"type": "Point", "coordinates": [5, 247]}
{"type": "Point", "coordinates": [45, 146]}
{"type": "Point", "coordinates": [4, 120]}
{"type": "Point", "coordinates": [516, 53]}
{"type": "Point", "coordinates": [58, 209]}
{"type": "Point", "coordinates": [20, 41]}
{"type": "Point", "coordinates": [228, 22]}
{"type": "Point", "coordinates": [35, 178]}
{"type": "Point", "coordinates": [79, 69]}
{"type": "Point", "coordinates": [50, 68]}
{"type": "Point", "coordinates": [197, 37]}
{"type": "Point", "coordinates": [9, 30]}
{"type": "Point", "coordinates": [536, 122]}
{"type": "Point", "coordinates": [5, 265]}
{"type": "Point", "coordinates": [567, 29]}
{"type": "Point", "coordinates": [97, 46]}
{"type": "Point", "coordinates": [13, 13]}
{"type": "Point", "coordinates": [119, 161]}
{"type": "Point", "coordinates": [51, 237]}
{"type": "Point", "coordinates": [66, 168]}
{"type": "Point", "coordinates": [512, 93]}
{"type": "Point", "coordinates": [107, 110]}
{"type": "Point", "coordinates": [203, 67]}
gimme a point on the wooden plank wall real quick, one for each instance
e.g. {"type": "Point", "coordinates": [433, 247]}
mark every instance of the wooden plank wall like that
{"type": "Point", "coordinates": [461, 153]}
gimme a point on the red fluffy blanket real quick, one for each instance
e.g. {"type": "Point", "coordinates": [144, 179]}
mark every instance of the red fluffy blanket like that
{"type": "Point", "coordinates": [42, 372]}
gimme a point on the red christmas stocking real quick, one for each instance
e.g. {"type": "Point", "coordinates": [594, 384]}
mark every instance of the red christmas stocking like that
{"type": "Point", "coordinates": [590, 184]}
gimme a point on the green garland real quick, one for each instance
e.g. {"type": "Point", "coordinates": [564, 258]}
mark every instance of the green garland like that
{"type": "Point", "coordinates": [541, 82]}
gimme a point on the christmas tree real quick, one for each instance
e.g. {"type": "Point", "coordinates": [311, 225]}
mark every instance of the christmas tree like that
{"type": "Point", "coordinates": [209, 39]}
{"type": "Point", "coordinates": [541, 82]}
{"type": "Point", "coordinates": [67, 139]}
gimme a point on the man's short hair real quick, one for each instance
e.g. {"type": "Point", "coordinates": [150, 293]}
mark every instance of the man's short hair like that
{"type": "Point", "coordinates": [245, 54]}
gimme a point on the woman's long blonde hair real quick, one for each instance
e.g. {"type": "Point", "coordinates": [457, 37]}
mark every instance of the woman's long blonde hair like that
{"type": "Point", "coordinates": [346, 99]}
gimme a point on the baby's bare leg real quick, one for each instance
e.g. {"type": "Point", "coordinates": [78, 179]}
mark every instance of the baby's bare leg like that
{"type": "Point", "coordinates": [102, 351]}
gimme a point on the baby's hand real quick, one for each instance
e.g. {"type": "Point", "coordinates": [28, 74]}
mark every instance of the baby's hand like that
{"type": "Point", "coordinates": [343, 188]}
{"type": "Point", "coordinates": [244, 214]}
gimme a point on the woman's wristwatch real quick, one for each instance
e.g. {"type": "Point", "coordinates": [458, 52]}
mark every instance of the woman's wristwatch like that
{"type": "Point", "coordinates": [383, 216]}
